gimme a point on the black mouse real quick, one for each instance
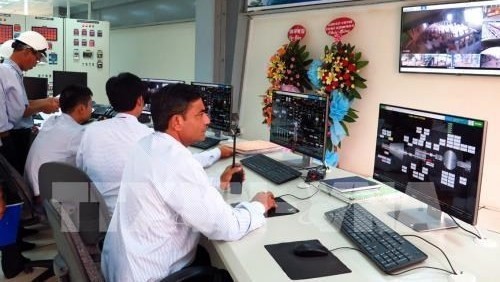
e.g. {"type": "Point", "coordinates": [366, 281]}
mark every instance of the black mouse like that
{"type": "Point", "coordinates": [310, 249]}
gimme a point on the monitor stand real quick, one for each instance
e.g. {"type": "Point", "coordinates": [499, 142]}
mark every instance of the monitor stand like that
{"type": "Point", "coordinates": [421, 219]}
{"type": "Point", "coordinates": [298, 163]}
{"type": "Point", "coordinates": [216, 134]}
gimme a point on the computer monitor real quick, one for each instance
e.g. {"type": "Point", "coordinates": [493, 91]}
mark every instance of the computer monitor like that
{"type": "Point", "coordinates": [154, 85]}
{"type": "Point", "coordinates": [434, 158]}
{"type": "Point", "coordinates": [217, 99]}
{"type": "Point", "coordinates": [299, 122]}
{"type": "Point", "coordinates": [36, 87]}
{"type": "Point", "coordinates": [63, 79]}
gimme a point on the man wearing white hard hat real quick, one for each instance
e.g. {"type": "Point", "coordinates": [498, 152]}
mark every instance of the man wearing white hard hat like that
{"type": "Point", "coordinates": [16, 111]}
{"type": "Point", "coordinates": [16, 122]}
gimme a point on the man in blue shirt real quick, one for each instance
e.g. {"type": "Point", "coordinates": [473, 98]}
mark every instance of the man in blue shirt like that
{"type": "Point", "coordinates": [16, 111]}
{"type": "Point", "coordinates": [16, 122]}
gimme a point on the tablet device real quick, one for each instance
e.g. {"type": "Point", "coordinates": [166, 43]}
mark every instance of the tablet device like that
{"type": "Point", "coordinates": [351, 183]}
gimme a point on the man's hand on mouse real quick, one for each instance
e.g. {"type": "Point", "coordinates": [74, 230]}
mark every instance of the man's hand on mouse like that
{"type": "Point", "coordinates": [267, 199]}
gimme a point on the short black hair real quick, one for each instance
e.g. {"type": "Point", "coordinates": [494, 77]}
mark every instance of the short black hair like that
{"type": "Point", "coordinates": [171, 100]}
{"type": "Point", "coordinates": [123, 91]}
{"type": "Point", "coordinates": [72, 96]}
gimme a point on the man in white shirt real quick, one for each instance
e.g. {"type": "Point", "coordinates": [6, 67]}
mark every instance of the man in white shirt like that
{"type": "Point", "coordinates": [59, 138]}
{"type": "Point", "coordinates": [106, 144]}
{"type": "Point", "coordinates": [161, 212]}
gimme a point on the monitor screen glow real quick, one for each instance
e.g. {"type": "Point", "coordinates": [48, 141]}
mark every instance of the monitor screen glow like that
{"type": "Point", "coordinates": [432, 157]}
{"type": "Point", "coordinates": [455, 38]}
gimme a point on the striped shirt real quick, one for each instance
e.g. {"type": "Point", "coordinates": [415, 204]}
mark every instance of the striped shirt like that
{"type": "Point", "coordinates": [105, 147]}
{"type": "Point", "coordinates": [165, 202]}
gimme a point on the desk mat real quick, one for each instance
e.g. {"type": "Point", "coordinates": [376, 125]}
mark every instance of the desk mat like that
{"type": "Point", "coordinates": [305, 267]}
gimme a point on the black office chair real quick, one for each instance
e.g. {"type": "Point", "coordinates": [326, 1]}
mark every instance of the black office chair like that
{"type": "Point", "coordinates": [23, 190]}
{"type": "Point", "coordinates": [72, 187]}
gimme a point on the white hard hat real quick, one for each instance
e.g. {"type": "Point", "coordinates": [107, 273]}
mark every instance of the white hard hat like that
{"type": "Point", "coordinates": [33, 39]}
{"type": "Point", "coordinates": [6, 49]}
{"type": "Point", "coordinates": [36, 41]}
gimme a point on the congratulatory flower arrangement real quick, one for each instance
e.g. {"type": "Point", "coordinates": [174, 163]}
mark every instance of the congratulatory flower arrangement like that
{"type": "Point", "coordinates": [337, 75]}
{"type": "Point", "coordinates": [287, 71]}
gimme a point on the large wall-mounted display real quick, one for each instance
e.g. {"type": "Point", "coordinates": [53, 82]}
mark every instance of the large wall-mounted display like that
{"type": "Point", "coordinates": [456, 38]}
{"type": "Point", "coordinates": [257, 5]}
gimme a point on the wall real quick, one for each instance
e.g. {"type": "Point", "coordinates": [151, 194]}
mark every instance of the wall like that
{"type": "Point", "coordinates": [161, 51]}
{"type": "Point", "coordinates": [377, 35]}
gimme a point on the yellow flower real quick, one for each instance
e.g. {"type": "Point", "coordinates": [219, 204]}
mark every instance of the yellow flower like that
{"type": "Point", "coordinates": [328, 58]}
{"type": "Point", "coordinates": [329, 78]}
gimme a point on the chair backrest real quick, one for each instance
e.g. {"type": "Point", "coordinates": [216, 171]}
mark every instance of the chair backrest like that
{"type": "Point", "coordinates": [70, 185]}
{"type": "Point", "coordinates": [73, 262]}
{"type": "Point", "coordinates": [16, 184]}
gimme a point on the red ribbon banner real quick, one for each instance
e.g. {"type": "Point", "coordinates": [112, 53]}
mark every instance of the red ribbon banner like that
{"type": "Point", "coordinates": [339, 27]}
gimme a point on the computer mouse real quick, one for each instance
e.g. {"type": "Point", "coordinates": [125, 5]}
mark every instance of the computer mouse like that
{"type": "Point", "coordinates": [310, 249]}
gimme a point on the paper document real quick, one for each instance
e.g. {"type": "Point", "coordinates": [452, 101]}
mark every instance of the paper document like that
{"type": "Point", "coordinates": [255, 147]}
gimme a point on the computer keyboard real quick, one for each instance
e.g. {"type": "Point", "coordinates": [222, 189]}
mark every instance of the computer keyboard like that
{"type": "Point", "coordinates": [270, 169]}
{"type": "Point", "coordinates": [384, 246]}
{"type": "Point", "coordinates": [207, 143]}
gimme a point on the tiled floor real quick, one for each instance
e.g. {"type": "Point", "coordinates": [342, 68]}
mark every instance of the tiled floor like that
{"type": "Point", "coordinates": [46, 249]}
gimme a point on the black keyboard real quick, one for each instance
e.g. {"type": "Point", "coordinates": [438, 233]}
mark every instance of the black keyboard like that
{"type": "Point", "coordinates": [207, 143]}
{"type": "Point", "coordinates": [384, 246]}
{"type": "Point", "coordinates": [270, 169]}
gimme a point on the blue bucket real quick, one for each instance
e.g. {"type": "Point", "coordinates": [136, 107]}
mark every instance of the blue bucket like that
{"type": "Point", "coordinates": [9, 224]}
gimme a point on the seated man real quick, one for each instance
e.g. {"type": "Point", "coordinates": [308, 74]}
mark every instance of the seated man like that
{"type": "Point", "coordinates": [59, 138]}
{"type": "Point", "coordinates": [166, 199]}
{"type": "Point", "coordinates": [106, 144]}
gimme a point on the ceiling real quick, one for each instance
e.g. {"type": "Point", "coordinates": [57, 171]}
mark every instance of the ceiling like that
{"type": "Point", "coordinates": [120, 13]}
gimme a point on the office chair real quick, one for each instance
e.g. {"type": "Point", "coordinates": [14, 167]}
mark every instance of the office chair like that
{"type": "Point", "coordinates": [15, 183]}
{"type": "Point", "coordinates": [72, 187]}
{"type": "Point", "coordinates": [15, 180]}
{"type": "Point", "coordinates": [75, 263]}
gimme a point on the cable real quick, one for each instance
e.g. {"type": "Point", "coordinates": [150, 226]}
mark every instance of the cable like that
{"type": "Point", "coordinates": [444, 254]}
{"type": "Point", "coordinates": [468, 231]}
{"type": "Point", "coordinates": [308, 197]}
{"type": "Point", "coordinates": [402, 272]}
{"type": "Point", "coordinates": [489, 208]}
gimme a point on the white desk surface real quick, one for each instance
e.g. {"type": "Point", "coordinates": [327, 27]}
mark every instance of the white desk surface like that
{"type": "Point", "coordinates": [248, 260]}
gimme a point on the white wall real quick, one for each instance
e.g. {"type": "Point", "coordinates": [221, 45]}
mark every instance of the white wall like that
{"type": "Point", "coordinates": [377, 35]}
{"type": "Point", "coordinates": [161, 51]}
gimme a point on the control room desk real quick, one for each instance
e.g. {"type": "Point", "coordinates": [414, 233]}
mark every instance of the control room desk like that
{"type": "Point", "coordinates": [248, 260]}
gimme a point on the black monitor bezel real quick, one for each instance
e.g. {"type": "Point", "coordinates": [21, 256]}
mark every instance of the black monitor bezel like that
{"type": "Point", "coordinates": [325, 135]}
{"type": "Point", "coordinates": [224, 128]}
{"type": "Point", "coordinates": [437, 204]}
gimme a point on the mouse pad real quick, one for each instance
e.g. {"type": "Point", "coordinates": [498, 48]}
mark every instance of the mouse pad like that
{"type": "Point", "coordinates": [305, 267]}
{"type": "Point", "coordinates": [283, 208]}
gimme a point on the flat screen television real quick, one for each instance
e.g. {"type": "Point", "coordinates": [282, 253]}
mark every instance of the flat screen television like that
{"type": "Point", "coordinates": [299, 123]}
{"type": "Point", "coordinates": [434, 158]}
{"type": "Point", "coordinates": [455, 38]}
